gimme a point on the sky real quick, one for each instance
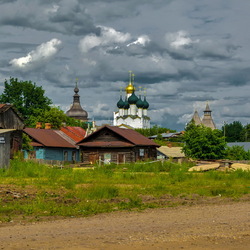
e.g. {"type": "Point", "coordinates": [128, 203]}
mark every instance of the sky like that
{"type": "Point", "coordinates": [185, 53]}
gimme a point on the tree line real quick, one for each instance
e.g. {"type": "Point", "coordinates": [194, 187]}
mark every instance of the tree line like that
{"type": "Point", "coordinates": [30, 100]}
{"type": "Point", "coordinates": [199, 142]}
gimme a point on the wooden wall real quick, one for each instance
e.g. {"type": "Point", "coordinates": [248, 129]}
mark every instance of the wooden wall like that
{"type": "Point", "coordinates": [118, 155]}
{"type": "Point", "coordinates": [10, 120]}
{"type": "Point", "coordinates": [5, 149]}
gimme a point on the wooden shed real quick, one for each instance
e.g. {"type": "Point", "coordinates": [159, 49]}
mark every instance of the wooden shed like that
{"type": "Point", "coordinates": [11, 125]}
{"type": "Point", "coordinates": [118, 145]}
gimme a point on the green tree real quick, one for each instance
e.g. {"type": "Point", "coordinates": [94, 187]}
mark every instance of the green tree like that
{"type": "Point", "coordinates": [26, 96]}
{"type": "Point", "coordinates": [155, 130]}
{"type": "Point", "coordinates": [247, 132]}
{"type": "Point", "coordinates": [201, 142]}
{"type": "Point", "coordinates": [237, 153]}
{"type": "Point", "coordinates": [56, 117]}
{"type": "Point", "coordinates": [234, 132]}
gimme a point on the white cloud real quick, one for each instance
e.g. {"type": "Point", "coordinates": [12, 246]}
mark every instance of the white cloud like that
{"type": "Point", "coordinates": [37, 57]}
{"type": "Point", "coordinates": [142, 40]}
{"type": "Point", "coordinates": [109, 36]}
{"type": "Point", "coordinates": [52, 9]}
{"type": "Point", "coordinates": [179, 39]}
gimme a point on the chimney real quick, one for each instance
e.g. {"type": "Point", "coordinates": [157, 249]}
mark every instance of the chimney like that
{"type": "Point", "coordinates": [38, 125]}
{"type": "Point", "coordinates": [47, 126]}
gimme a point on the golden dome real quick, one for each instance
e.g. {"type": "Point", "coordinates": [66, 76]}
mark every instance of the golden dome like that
{"type": "Point", "coordinates": [130, 88]}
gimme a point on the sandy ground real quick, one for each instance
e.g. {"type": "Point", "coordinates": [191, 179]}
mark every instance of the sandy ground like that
{"type": "Point", "coordinates": [216, 226]}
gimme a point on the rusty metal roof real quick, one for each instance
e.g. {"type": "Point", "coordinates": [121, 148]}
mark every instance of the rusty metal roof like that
{"type": "Point", "coordinates": [133, 137]}
{"type": "Point", "coordinates": [107, 144]}
{"type": "Point", "coordinates": [75, 133]}
{"type": "Point", "coordinates": [48, 138]}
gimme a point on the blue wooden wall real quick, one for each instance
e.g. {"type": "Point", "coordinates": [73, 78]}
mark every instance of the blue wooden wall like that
{"type": "Point", "coordinates": [57, 154]}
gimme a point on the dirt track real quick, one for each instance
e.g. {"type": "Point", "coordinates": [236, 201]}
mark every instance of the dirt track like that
{"type": "Point", "coordinates": [198, 227]}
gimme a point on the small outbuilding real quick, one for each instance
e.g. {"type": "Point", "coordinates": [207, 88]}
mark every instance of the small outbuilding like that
{"type": "Point", "coordinates": [117, 145]}
{"type": "Point", "coordinates": [173, 153]}
{"type": "Point", "coordinates": [11, 125]}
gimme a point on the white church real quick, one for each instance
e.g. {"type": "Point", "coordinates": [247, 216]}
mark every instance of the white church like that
{"type": "Point", "coordinates": [132, 111]}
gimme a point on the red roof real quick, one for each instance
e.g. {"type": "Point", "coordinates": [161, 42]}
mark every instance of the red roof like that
{"type": "Point", "coordinates": [134, 138]}
{"type": "Point", "coordinates": [107, 144]}
{"type": "Point", "coordinates": [48, 138]}
{"type": "Point", "coordinates": [75, 133]}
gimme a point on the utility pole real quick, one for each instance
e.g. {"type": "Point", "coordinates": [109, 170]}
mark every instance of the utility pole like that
{"type": "Point", "coordinates": [224, 130]}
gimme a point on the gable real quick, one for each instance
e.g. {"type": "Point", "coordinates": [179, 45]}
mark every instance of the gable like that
{"type": "Point", "coordinates": [105, 135]}
{"type": "Point", "coordinates": [10, 117]}
{"type": "Point", "coordinates": [112, 133]}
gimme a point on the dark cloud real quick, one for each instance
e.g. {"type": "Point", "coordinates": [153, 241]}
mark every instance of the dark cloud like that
{"type": "Point", "coordinates": [7, 1]}
{"type": "Point", "coordinates": [183, 52]}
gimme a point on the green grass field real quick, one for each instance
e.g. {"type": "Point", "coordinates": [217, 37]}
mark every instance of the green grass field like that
{"type": "Point", "coordinates": [30, 190]}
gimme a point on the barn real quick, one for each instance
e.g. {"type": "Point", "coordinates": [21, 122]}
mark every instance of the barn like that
{"type": "Point", "coordinates": [117, 145]}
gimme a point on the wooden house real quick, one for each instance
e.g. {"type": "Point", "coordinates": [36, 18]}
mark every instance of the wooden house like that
{"type": "Point", "coordinates": [11, 125]}
{"type": "Point", "coordinates": [118, 145]}
{"type": "Point", "coordinates": [51, 146]}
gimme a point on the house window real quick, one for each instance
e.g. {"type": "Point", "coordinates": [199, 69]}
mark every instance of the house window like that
{"type": "Point", "coordinates": [107, 158]}
{"type": "Point", "coordinates": [141, 152]}
{"type": "Point", "coordinates": [74, 156]}
{"type": "Point", "coordinates": [65, 155]}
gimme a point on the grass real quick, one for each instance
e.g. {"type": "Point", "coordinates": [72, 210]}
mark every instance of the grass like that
{"type": "Point", "coordinates": [31, 190]}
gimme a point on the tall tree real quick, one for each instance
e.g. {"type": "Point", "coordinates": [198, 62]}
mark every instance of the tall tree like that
{"type": "Point", "coordinates": [203, 143]}
{"type": "Point", "coordinates": [26, 96]}
{"type": "Point", "coordinates": [56, 117]}
{"type": "Point", "coordinates": [234, 132]}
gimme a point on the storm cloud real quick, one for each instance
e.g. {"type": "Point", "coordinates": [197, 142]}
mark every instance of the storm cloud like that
{"type": "Point", "coordinates": [183, 53]}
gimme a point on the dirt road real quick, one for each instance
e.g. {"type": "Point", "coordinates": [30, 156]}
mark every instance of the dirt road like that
{"type": "Point", "coordinates": [197, 227]}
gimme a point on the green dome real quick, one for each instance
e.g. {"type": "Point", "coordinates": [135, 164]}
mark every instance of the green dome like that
{"type": "Point", "coordinates": [120, 103]}
{"type": "Point", "coordinates": [146, 104]}
{"type": "Point", "coordinates": [126, 104]}
{"type": "Point", "coordinates": [140, 103]}
{"type": "Point", "coordinates": [133, 99]}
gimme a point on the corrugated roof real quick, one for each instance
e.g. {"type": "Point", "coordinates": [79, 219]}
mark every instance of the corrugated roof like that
{"type": "Point", "coordinates": [48, 138]}
{"type": "Point", "coordinates": [130, 135]}
{"type": "Point", "coordinates": [171, 152]}
{"type": "Point", "coordinates": [2, 131]}
{"type": "Point", "coordinates": [75, 133]}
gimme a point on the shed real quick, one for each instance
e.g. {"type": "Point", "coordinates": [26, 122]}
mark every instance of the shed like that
{"type": "Point", "coordinates": [11, 125]}
{"type": "Point", "coordinates": [5, 147]}
{"type": "Point", "coordinates": [118, 145]}
{"type": "Point", "coordinates": [51, 145]}
{"type": "Point", "coordinates": [175, 153]}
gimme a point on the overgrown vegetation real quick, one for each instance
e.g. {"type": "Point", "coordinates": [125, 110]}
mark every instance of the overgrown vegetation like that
{"type": "Point", "coordinates": [237, 153]}
{"type": "Point", "coordinates": [155, 130]}
{"type": "Point", "coordinates": [203, 143]}
{"type": "Point", "coordinates": [236, 132]}
{"type": "Point", "coordinates": [30, 190]}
